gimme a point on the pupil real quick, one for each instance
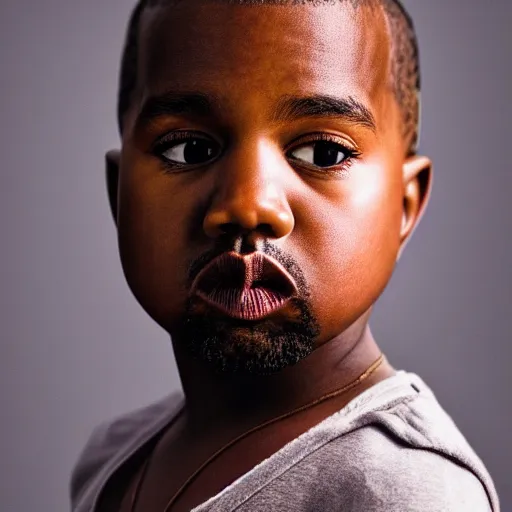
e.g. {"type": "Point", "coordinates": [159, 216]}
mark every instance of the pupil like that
{"type": "Point", "coordinates": [326, 154]}
{"type": "Point", "coordinates": [197, 151]}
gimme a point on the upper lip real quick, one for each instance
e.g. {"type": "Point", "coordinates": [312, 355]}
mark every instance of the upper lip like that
{"type": "Point", "coordinates": [229, 281]}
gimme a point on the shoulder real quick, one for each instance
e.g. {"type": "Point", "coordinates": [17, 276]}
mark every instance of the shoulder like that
{"type": "Point", "coordinates": [395, 449]}
{"type": "Point", "coordinates": [384, 473]}
{"type": "Point", "coordinates": [370, 470]}
{"type": "Point", "coordinates": [113, 441]}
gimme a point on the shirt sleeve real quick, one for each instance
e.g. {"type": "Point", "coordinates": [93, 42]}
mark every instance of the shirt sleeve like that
{"type": "Point", "coordinates": [111, 442]}
{"type": "Point", "coordinates": [384, 475]}
{"type": "Point", "coordinates": [89, 463]}
{"type": "Point", "coordinates": [428, 482]}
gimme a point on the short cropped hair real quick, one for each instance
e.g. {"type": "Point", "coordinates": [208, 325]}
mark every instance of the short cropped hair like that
{"type": "Point", "coordinates": [405, 70]}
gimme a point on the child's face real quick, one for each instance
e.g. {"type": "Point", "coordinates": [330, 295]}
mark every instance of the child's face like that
{"type": "Point", "coordinates": [254, 169]}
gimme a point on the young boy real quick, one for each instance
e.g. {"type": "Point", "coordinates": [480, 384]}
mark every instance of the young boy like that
{"type": "Point", "coordinates": [267, 182]}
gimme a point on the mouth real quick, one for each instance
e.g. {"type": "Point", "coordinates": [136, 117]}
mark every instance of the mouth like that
{"type": "Point", "coordinates": [245, 287]}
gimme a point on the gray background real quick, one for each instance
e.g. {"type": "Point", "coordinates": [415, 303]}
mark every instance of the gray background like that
{"type": "Point", "coordinates": [76, 347]}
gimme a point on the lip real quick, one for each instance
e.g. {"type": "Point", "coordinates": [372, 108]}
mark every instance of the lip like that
{"type": "Point", "coordinates": [246, 287]}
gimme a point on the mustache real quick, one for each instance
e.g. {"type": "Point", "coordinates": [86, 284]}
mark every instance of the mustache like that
{"type": "Point", "coordinates": [223, 245]}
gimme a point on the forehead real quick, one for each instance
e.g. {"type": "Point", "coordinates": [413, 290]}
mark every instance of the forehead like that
{"type": "Point", "coordinates": [243, 52]}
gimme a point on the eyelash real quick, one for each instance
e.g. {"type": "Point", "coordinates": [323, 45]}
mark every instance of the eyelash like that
{"type": "Point", "coordinates": [169, 140]}
{"type": "Point", "coordinates": [351, 154]}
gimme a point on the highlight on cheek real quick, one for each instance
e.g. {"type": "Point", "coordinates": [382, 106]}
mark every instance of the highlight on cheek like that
{"type": "Point", "coordinates": [369, 189]}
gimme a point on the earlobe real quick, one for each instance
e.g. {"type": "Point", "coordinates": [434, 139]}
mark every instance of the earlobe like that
{"type": "Point", "coordinates": [112, 179]}
{"type": "Point", "coordinates": [417, 175]}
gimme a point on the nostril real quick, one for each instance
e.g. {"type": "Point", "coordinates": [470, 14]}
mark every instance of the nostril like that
{"type": "Point", "coordinates": [267, 231]}
{"type": "Point", "coordinates": [229, 228]}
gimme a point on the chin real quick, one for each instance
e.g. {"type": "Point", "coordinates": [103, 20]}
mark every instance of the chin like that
{"type": "Point", "coordinates": [242, 347]}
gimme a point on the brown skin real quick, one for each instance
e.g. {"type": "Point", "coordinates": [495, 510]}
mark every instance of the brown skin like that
{"type": "Point", "coordinates": [345, 229]}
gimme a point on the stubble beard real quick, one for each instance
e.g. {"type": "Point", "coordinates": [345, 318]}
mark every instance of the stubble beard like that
{"type": "Point", "coordinates": [263, 347]}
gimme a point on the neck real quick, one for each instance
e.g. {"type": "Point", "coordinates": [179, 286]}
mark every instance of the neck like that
{"type": "Point", "coordinates": [216, 400]}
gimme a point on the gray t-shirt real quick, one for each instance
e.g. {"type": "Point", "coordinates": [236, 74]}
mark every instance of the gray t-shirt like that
{"type": "Point", "coordinates": [391, 449]}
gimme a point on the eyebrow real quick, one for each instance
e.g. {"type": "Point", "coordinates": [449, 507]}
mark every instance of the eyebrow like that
{"type": "Point", "coordinates": [291, 108]}
{"type": "Point", "coordinates": [174, 104]}
{"type": "Point", "coordinates": [288, 108]}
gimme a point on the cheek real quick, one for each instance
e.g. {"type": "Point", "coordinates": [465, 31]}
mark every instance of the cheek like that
{"type": "Point", "coordinates": [152, 234]}
{"type": "Point", "coordinates": [355, 230]}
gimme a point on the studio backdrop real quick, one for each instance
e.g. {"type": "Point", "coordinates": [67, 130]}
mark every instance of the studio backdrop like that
{"type": "Point", "coordinates": [76, 349]}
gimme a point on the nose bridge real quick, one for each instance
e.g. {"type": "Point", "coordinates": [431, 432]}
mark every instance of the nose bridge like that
{"type": "Point", "coordinates": [249, 193]}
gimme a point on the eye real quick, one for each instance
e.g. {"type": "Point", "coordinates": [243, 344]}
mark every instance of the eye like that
{"type": "Point", "coordinates": [181, 149]}
{"type": "Point", "coordinates": [321, 153]}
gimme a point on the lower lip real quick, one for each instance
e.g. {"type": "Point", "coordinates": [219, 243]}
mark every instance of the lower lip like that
{"type": "Point", "coordinates": [252, 304]}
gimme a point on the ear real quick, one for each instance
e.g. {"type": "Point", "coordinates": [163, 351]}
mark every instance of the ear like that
{"type": "Point", "coordinates": [417, 175]}
{"type": "Point", "coordinates": [112, 158]}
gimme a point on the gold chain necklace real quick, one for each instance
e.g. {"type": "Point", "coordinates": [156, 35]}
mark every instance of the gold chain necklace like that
{"type": "Point", "coordinates": [192, 477]}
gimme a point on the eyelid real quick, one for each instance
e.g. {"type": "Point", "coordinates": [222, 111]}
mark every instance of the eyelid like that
{"type": "Point", "coordinates": [178, 136]}
{"type": "Point", "coordinates": [323, 136]}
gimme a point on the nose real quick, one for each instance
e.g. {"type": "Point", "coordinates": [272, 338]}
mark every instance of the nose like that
{"type": "Point", "coordinates": [249, 198]}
